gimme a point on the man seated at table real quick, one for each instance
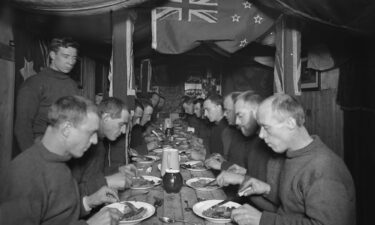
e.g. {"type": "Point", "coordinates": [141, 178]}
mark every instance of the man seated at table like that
{"type": "Point", "coordinates": [89, 169]}
{"type": "Point", "coordinates": [259, 160]}
{"type": "Point", "coordinates": [138, 141]}
{"type": "Point", "coordinates": [315, 186]}
{"type": "Point", "coordinates": [203, 127]}
{"type": "Point", "coordinates": [213, 110]}
{"type": "Point", "coordinates": [190, 118]}
{"type": "Point", "coordinates": [38, 187]}
{"type": "Point", "coordinates": [233, 140]}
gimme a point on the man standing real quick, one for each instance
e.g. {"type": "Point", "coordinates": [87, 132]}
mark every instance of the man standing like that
{"type": "Point", "coordinates": [315, 185]}
{"type": "Point", "coordinates": [89, 169]}
{"type": "Point", "coordinates": [38, 187]}
{"type": "Point", "coordinates": [39, 92]}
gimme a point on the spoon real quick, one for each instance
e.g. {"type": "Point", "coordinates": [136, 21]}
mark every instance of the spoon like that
{"type": "Point", "coordinates": [170, 220]}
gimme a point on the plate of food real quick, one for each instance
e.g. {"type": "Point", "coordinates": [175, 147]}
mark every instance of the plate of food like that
{"type": "Point", "coordinates": [134, 211]}
{"type": "Point", "coordinates": [196, 166]}
{"type": "Point", "coordinates": [199, 183]}
{"type": "Point", "coordinates": [216, 214]}
{"type": "Point", "coordinates": [145, 182]}
{"type": "Point", "coordinates": [145, 159]}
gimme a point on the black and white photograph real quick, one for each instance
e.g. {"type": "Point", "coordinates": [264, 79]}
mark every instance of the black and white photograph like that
{"type": "Point", "coordinates": [187, 112]}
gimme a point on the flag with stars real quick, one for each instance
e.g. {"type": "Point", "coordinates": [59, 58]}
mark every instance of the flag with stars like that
{"type": "Point", "coordinates": [181, 25]}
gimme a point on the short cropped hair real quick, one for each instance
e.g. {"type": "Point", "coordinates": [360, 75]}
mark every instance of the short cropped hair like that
{"type": "Point", "coordinates": [198, 101]}
{"type": "Point", "coordinates": [146, 102]}
{"type": "Point", "coordinates": [250, 97]}
{"type": "Point", "coordinates": [233, 95]}
{"type": "Point", "coordinates": [138, 104]}
{"type": "Point", "coordinates": [187, 100]}
{"type": "Point", "coordinates": [64, 42]}
{"type": "Point", "coordinates": [113, 106]}
{"type": "Point", "coordinates": [216, 99]}
{"type": "Point", "coordinates": [72, 109]}
{"type": "Point", "coordinates": [287, 106]}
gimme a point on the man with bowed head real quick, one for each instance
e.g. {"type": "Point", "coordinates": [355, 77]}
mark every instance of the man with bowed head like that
{"type": "Point", "coordinates": [89, 169]}
{"type": "Point", "coordinates": [38, 187]}
{"type": "Point", "coordinates": [315, 185]}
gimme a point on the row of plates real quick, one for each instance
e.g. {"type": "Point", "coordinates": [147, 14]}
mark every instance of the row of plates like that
{"type": "Point", "coordinates": [198, 209]}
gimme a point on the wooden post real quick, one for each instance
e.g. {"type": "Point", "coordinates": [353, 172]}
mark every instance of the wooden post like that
{"type": "Point", "coordinates": [122, 59]}
{"type": "Point", "coordinates": [88, 77]}
{"type": "Point", "coordinates": [287, 58]}
{"type": "Point", "coordinates": [7, 76]}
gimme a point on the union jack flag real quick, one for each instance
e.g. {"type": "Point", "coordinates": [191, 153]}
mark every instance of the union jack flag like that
{"type": "Point", "coordinates": [189, 10]}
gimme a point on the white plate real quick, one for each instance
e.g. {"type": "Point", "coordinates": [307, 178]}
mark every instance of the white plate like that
{"type": "Point", "coordinates": [158, 150]}
{"type": "Point", "coordinates": [156, 180]}
{"type": "Point", "coordinates": [195, 162]}
{"type": "Point", "coordinates": [195, 179]}
{"type": "Point", "coordinates": [153, 157]}
{"type": "Point", "coordinates": [150, 211]}
{"type": "Point", "coordinates": [199, 207]}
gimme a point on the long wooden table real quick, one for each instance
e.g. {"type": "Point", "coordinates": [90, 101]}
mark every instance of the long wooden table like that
{"type": "Point", "coordinates": [174, 204]}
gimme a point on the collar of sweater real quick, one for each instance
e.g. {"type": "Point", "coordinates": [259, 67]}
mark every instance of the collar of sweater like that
{"type": "Point", "coordinates": [303, 151]}
{"type": "Point", "coordinates": [56, 74]}
{"type": "Point", "coordinates": [50, 156]}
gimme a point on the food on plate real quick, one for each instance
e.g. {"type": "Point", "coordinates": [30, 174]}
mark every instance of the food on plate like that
{"type": "Point", "coordinates": [218, 212]}
{"type": "Point", "coordinates": [198, 165]}
{"type": "Point", "coordinates": [141, 182]}
{"type": "Point", "coordinates": [131, 212]}
{"type": "Point", "coordinates": [200, 183]}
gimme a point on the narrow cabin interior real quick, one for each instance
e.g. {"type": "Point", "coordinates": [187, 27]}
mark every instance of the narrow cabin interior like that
{"type": "Point", "coordinates": [332, 43]}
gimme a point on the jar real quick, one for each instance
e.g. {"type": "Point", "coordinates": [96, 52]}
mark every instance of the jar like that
{"type": "Point", "coordinates": [172, 181]}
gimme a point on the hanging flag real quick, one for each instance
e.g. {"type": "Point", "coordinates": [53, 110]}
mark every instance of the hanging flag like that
{"type": "Point", "coordinates": [181, 25]}
{"type": "Point", "coordinates": [287, 70]}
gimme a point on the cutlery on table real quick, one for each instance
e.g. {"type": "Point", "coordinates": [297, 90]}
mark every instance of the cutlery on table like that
{"type": "Point", "coordinates": [170, 220]}
{"type": "Point", "coordinates": [211, 183]}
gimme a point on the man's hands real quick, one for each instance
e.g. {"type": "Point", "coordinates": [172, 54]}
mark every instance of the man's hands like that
{"type": "Point", "coordinates": [226, 178]}
{"type": "Point", "coordinates": [196, 155]}
{"type": "Point", "coordinates": [214, 161]}
{"type": "Point", "coordinates": [237, 169]}
{"type": "Point", "coordinates": [152, 145]}
{"type": "Point", "coordinates": [118, 181]}
{"type": "Point", "coordinates": [128, 170]}
{"type": "Point", "coordinates": [106, 216]}
{"type": "Point", "coordinates": [102, 196]}
{"type": "Point", "coordinates": [246, 215]}
{"type": "Point", "coordinates": [254, 186]}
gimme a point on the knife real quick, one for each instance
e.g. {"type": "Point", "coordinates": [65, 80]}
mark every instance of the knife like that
{"type": "Point", "coordinates": [221, 203]}
{"type": "Point", "coordinates": [210, 183]}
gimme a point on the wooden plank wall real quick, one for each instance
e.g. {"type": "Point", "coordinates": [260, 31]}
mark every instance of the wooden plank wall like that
{"type": "Point", "coordinates": [324, 117]}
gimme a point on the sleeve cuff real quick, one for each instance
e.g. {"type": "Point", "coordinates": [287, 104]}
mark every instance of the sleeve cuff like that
{"type": "Point", "coordinates": [85, 204]}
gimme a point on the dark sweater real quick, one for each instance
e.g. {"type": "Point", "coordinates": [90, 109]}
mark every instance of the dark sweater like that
{"type": "Point", "coordinates": [215, 142]}
{"type": "Point", "coordinates": [38, 188]}
{"type": "Point", "coordinates": [315, 188]}
{"type": "Point", "coordinates": [89, 169]}
{"type": "Point", "coordinates": [137, 140]}
{"type": "Point", "coordinates": [237, 148]}
{"type": "Point", "coordinates": [34, 98]}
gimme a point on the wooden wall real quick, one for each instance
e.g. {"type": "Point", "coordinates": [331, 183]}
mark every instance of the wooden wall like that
{"type": "Point", "coordinates": [324, 117]}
